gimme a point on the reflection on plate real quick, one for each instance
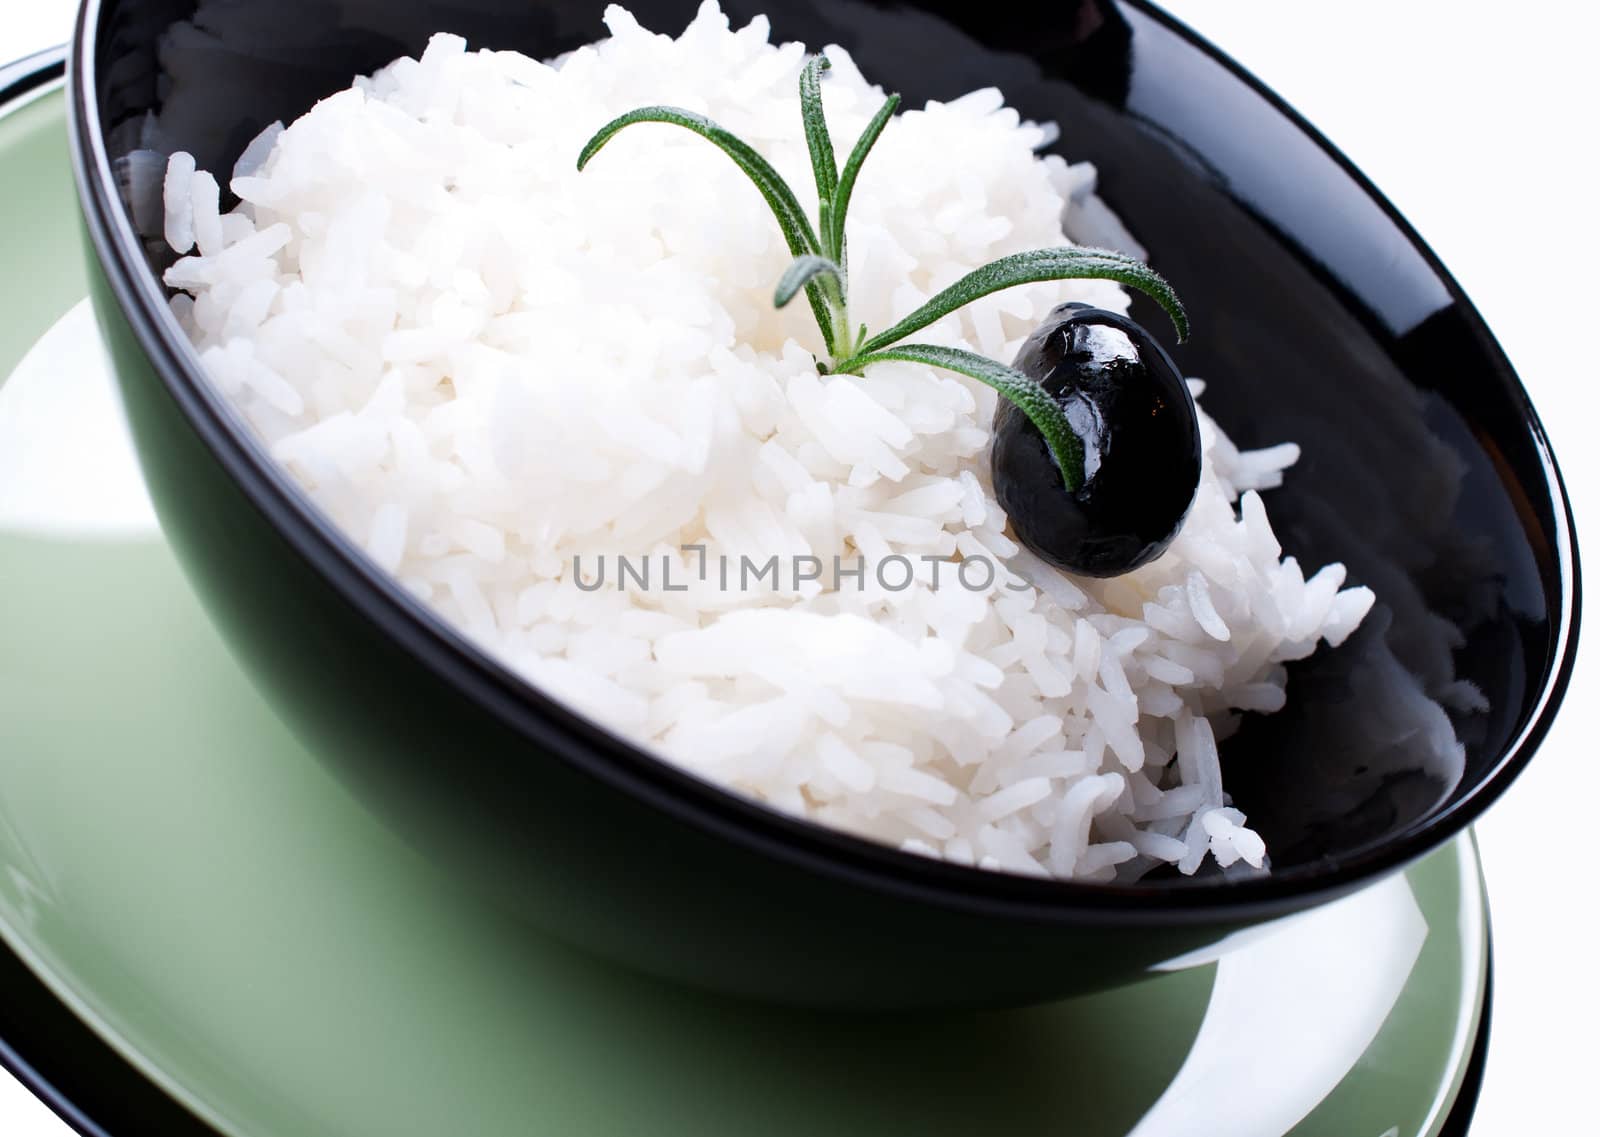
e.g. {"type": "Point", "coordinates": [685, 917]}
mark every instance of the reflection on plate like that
{"type": "Point", "coordinates": [82, 481]}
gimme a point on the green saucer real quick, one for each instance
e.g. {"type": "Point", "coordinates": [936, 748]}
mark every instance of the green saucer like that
{"type": "Point", "coordinates": [185, 878]}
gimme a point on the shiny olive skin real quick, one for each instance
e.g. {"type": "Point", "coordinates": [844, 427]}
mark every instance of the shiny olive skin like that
{"type": "Point", "coordinates": [1129, 406]}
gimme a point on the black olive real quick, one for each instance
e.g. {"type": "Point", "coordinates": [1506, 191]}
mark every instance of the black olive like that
{"type": "Point", "coordinates": [1131, 409]}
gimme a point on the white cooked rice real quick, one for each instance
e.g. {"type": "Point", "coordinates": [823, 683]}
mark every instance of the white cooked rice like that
{"type": "Point", "coordinates": [483, 365]}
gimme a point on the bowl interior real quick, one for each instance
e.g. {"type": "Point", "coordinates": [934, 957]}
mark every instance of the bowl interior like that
{"type": "Point", "coordinates": [1320, 319]}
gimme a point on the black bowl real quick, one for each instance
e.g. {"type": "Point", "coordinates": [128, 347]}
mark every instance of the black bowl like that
{"type": "Point", "coordinates": [1322, 318]}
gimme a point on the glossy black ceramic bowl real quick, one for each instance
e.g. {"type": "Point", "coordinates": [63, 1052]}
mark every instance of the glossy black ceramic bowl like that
{"type": "Point", "coordinates": [1321, 317]}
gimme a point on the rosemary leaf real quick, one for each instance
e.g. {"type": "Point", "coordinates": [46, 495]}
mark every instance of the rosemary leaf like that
{"type": "Point", "coordinates": [797, 230]}
{"type": "Point", "coordinates": [802, 272]}
{"type": "Point", "coordinates": [1029, 396]}
{"type": "Point", "coordinates": [852, 169]}
{"type": "Point", "coordinates": [1030, 268]}
{"type": "Point", "coordinates": [818, 141]}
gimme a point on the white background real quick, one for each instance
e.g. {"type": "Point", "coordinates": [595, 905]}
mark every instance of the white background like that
{"type": "Point", "coordinates": [1477, 119]}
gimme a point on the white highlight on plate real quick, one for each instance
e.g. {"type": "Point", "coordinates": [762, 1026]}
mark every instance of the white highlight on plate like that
{"type": "Point", "coordinates": [67, 464]}
{"type": "Point", "coordinates": [1310, 1000]}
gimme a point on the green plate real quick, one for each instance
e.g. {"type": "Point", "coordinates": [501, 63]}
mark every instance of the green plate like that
{"type": "Point", "coordinates": [189, 881]}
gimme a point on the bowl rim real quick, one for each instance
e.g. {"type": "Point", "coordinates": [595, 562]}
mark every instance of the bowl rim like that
{"type": "Point", "coordinates": [593, 750]}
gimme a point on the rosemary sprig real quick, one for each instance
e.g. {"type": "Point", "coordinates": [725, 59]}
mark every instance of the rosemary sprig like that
{"type": "Point", "coordinates": [821, 264]}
